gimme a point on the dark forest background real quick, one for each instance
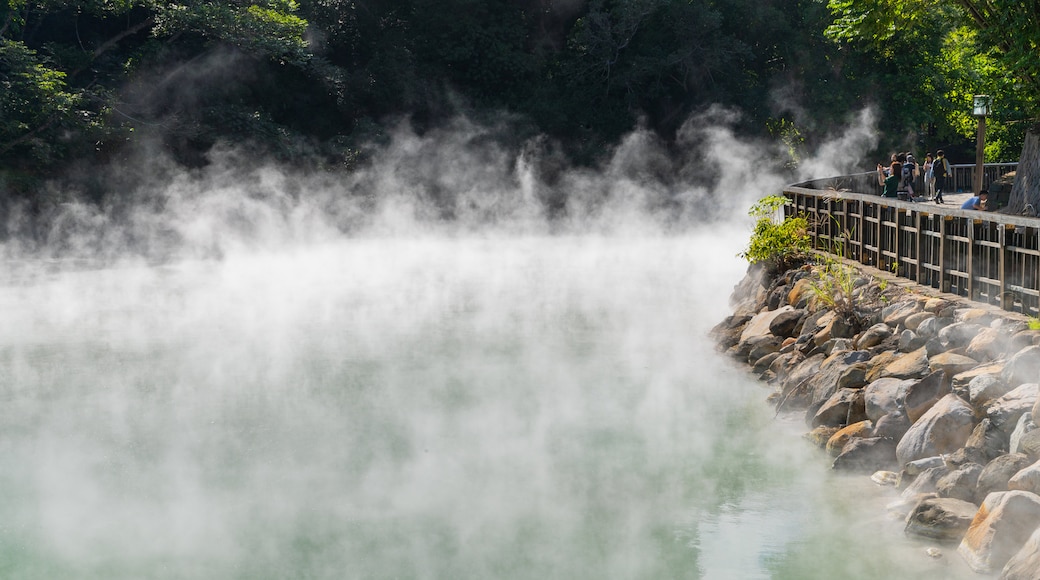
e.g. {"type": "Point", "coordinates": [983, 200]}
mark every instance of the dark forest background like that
{"type": "Point", "coordinates": [310, 82]}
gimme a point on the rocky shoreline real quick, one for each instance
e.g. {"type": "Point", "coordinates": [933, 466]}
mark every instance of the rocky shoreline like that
{"type": "Point", "coordinates": [920, 390]}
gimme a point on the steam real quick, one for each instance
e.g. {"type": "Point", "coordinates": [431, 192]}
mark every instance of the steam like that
{"type": "Point", "coordinates": [414, 370]}
{"type": "Point", "coordinates": [462, 178]}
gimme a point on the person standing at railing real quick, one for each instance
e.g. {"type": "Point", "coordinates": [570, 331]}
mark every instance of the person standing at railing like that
{"type": "Point", "coordinates": [929, 177]}
{"type": "Point", "coordinates": [890, 181]}
{"type": "Point", "coordinates": [941, 170]}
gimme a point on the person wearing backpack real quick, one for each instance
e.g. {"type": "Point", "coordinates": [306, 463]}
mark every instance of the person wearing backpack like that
{"type": "Point", "coordinates": [941, 170]}
{"type": "Point", "coordinates": [909, 174]}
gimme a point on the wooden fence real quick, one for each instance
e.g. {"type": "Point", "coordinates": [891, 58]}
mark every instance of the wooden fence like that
{"type": "Point", "coordinates": [983, 256]}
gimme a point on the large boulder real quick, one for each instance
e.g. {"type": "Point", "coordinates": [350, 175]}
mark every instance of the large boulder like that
{"type": "Point", "coordinates": [1028, 479]}
{"type": "Point", "coordinates": [926, 481]}
{"type": "Point", "coordinates": [866, 455]}
{"type": "Point", "coordinates": [958, 334]}
{"type": "Point", "coordinates": [940, 518]}
{"type": "Point", "coordinates": [823, 384]}
{"type": "Point", "coordinates": [1025, 564]}
{"type": "Point", "coordinates": [894, 314]}
{"type": "Point", "coordinates": [943, 429]}
{"type": "Point", "coordinates": [960, 483]}
{"type": "Point", "coordinates": [1005, 411]}
{"type": "Point", "coordinates": [1022, 429]}
{"type": "Point", "coordinates": [1001, 527]}
{"type": "Point", "coordinates": [911, 365]}
{"type": "Point", "coordinates": [952, 363]}
{"type": "Point", "coordinates": [835, 327]}
{"type": "Point", "coordinates": [883, 396]}
{"type": "Point", "coordinates": [836, 442]}
{"type": "Point", "coordinates": [988, 344]}
{"type": "Point", "coordinates": [893, 425]}
{"type": "Point", "coordinates": [913, 321]}
{"type": "Point", "coordinates": [874, 336]}
{"type": "Point", "coordinates": [842, 408]}
{"type": "Point", "coordinates": [986, 388]}
{"type": "Point", "coordinates": [787, 322]}
{"type": "Point", "coordinates": [1023, 367]}
{"type": "Point", "coordinates": [919, 396]}
{"type": "Point", "coordinates": [989, 441]}
{"type": "Point", "coordinates": [997, 473]}
{"type": "Point", "coordinates": [759, 324]}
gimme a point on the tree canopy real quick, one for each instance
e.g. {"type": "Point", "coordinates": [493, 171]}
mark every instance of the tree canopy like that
{"type": "Point", "coordinates": [308, 81]}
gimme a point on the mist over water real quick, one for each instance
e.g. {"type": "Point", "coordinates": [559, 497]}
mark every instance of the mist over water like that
{"type": "Point", "coordinates": [327, 386]}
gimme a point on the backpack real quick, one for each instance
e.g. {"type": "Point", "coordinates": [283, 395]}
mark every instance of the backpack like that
{"type": "Point", "coordinates": [908, 170]}
{"type": "Point", "coordinates": [939, 167]}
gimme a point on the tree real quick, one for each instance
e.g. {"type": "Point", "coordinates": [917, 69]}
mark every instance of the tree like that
{"type": "Point", "coordinates": [986, 47]}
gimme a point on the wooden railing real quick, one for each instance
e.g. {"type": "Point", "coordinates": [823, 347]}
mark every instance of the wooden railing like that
{"type": "Point", "coordinates": [983, 256]}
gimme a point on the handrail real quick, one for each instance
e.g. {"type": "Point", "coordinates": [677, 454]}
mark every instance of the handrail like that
{"type": "Point", "coordinates": [983, 256]}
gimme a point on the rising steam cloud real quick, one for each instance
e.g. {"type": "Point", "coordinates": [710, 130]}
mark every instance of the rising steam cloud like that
{"type": "Point", "coordinates": [463, 177]}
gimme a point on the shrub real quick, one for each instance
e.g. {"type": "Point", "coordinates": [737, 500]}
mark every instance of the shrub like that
{"type": "Point", "coordinates": [785, 243]}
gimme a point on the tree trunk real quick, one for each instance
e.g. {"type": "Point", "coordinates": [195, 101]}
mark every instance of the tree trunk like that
{"type": "Point", "coordinates": [1025, 195]}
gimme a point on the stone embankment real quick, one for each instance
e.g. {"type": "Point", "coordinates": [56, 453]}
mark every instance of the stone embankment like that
{"type": "Point", "coordinates": [926, 392]}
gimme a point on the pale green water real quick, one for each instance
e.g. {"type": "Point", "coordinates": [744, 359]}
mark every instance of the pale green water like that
{"type": "Point", "coordinates": [413, 408]}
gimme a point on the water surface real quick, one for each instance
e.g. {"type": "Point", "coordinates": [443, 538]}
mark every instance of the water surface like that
{"type": "Point", "coordinates": [416, 407]}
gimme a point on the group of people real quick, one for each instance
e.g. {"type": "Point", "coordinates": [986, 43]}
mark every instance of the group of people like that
{"type": "Point", "coordinates": [902, 172]}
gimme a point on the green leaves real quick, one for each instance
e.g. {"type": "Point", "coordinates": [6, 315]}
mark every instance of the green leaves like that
{"type": "Point", "coordinates": [269, 29]}
{"type": "Point", "coordinates": [35, 103]}
{"type": "Point", "coordinates": [784, 242]}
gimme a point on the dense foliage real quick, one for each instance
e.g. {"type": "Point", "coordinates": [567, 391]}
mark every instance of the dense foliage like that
{"type": "Point", "coordinates": [308, 81]}
{"type": "Point", "coordinates": [782, 243]}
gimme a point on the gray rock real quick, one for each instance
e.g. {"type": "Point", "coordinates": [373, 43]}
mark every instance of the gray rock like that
{"type": "Point", "coordinates": [853, 377]}
{"type": "Point", "coordinates": [997, 473]}
{"type": "Point", "coordinates": [940, 518]}
{"type": "Point", "coordinates": [842, 408]}
{"type": "Point", "coordinates": [919, 396]}
{"type": "Point", "coordinates": [1023, 367]}
{"type": "Point", "coordinates": [989, 344]}
{"type": "Point", "coordinates": [913, 321]}
{"type": "Point", "coordinates": [1025, 564]}
{"type": "Point", "coordinates": [910, 341]}
{"type": "Point", "coordinates": [1006, 410]}
{"type": "Point", "coordinates": [960, 483]}
{"type": "Point", "coordinates": [917, 466]}
{"type": "Point", "coordinates": [926, 481]}
{"type": "Point", "coordinates": [1003, 524]}
{"type": "Point", "coordinates": [1027, 479]}
{"type": "Point", "coordinates": [1029, 444]}
{"type": "Point", "coordinates": [912, 365]}
{"type": "Point", "coordinates": [787, 323]}
{"type": "Point", "coordinates": [988, 440]}
{"type": "Point", "coordinates": [958, 334]}
{"type": "Point", "coordinates": [894, 314]}
{"type": "Point", "coordinates": [759, 324]}
{"type": "Point", "coordinates": [760, 346]}
{"type": "Point", "coordinates": [824, 383]}
{"type": "Point", "coordinates": [762, 364]}
{"type": "Point", "coordinates": [985, 388]}
{"type": "Point", "coordinates": [866, 455]}
{"type": "Point", "coordinates": [874, 336]}
{"type": "Point", "coordinates": [930, 327]}
{"type": "Point", "coordinates": [892, 426]}
{"type": "Point", "coordinates": [1025, 424]}
{"type": "Point", "coordinates": [943, 429]}
{"type": "Point", "coordinates": [883, 396]}
{"type": "Point", "coordinates": [951, 362]}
